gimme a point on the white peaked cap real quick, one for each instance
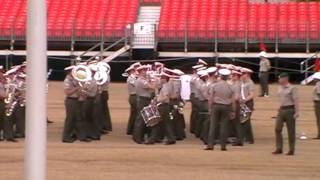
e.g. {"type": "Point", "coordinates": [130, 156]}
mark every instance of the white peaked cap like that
{"type": "Point", "coordinates": [316, 76]}
{"type": "Point", "coordinates": [202, 73]}
{"type": "Point", "coordinates": [212, 70]}
{"type": "Point", "coordinates": [224, 72]}
{"type": "Point", "coordinates": [200, 61]}
{"type": "Point", "coordinates": [263, 54]}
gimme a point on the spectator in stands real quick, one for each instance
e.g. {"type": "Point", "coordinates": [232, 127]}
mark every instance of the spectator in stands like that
{"type": "Point", "coordinates": [264, 74]}
{"type": "Point", "coordinates": [317, 65]}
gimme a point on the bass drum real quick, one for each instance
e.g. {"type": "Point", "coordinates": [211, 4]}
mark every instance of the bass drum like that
{"type": "Point", "coordinates": [150, 115]}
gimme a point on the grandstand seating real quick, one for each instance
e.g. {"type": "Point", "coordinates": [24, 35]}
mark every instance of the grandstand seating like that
{"type": "Point", "coordinates": [202, 20]}
{"type": "Point", "coordinates": [84, 18]}
{"type": "Point", "coordinates": [238, 19]}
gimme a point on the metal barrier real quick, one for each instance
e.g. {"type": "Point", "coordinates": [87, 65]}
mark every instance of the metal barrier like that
{"type": "Point", "coordinates": [306, 66]}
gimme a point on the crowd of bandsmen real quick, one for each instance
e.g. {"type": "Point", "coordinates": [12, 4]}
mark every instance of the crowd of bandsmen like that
{"type": "Point", "coordinates": [13, 102]}
{"type": "Point", "coordinates": [217, 95]}
{"type": "Point", "coordinates": [87, 111]}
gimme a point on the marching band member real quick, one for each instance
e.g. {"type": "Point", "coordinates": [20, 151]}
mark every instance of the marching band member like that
{"type": "Point", "coordinates": [6, 125]}
{"type": "Point", "coordinates": [288, 113]}
{"type": "Point", "coordinates": [73, 127]}
{"type": "Point", "coordinates": [210, 82]}
{"type": "Point", "coordinates": [163, 99]}
{"type": "Point", "coordinates": [247, 94]}
{"type": "Point", "coordinates": [193, 99]}
{"type": "Point", "coordinates": [236, 86]}
{"type": "Point", "coordinates": [202, 101]}
{"type": "Point", "coordinates": [222, 97]}
{"type": "Point", "coordinates": [20, 109]}
{"type": "Point", "coordinates": [264, 74]}
{"type": "Point", "coordinates": [89, 113]}
{"type": "Point", "coordinates": [105, 106]}
{"type": "Point", "coordinates": [175, 99]}
{"type": "Point", "coordinates": [144, 91]}
{"type": "Point", "coordinates": [131, 80]}
{"type": "Point", "coordinates": [316, 98]}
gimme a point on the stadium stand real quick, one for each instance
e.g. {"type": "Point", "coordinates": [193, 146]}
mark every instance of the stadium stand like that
{"type": "Point", "coordinates": [180, 20]}
{"type": "Point", "coordinates": [238, 19]}
{"type": "Point", "coordinates": [84, 18]}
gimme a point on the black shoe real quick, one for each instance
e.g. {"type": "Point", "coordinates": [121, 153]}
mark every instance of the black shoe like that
{"type": "Point", "coordinates": [290, 153]}
{"type": "Point", "coordinates": [104, 132]}
{"type": "Point", "coordinates": [18, 136]}
{"type": "Point", "coordinates": [149, 142]}
{"type": "Point", "coordinates": [223, 149]}
{"type": "Point", "coordinates": [85, 140]}
{"type": "Point", "coordinates": [12, 140]}
{"type": "Point", "coordinates": [208, 148]}
{"type": "Point", "coordinates": [49, 122]}
{"type": "Point", "coordinates": [170, 142]}
{"type": "Point", "coordinates": [277, 152]}
{"type": "Point", "coordinates": [237, 144]}
{"type": "Point", "coordinates": [67, 141]}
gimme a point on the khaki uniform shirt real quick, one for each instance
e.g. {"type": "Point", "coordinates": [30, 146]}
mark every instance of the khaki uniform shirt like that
{"type": "Point", "coordinates": [70, 83]}
{"type": "Point", "coordinates": [200, 91]}
{"type": "Point", "coordinates": [288, 96]}
{"type": "Point", "coordinates": [142, 88]}
{"type": "Point", "coordinates": [2, 91]}
{"type": "Point", "coordinates": [92, 89]}
{"type": "Point", "coordinates": [131, 80]}
{"type": "Point", "coordinates": [175, 87]}
{"type": "Point", "coordinates": [164, 93]}
{"type": "Point", "coordinates": [264, 65]}
{"type": "Point", "coordinates": [194, 79]}
{"type": "Point", "coordinates": [222, 93]}
{"type": "Point", "coordinates": [316, 92]}
{"type": "Point", "coordinates": [236, 86]}
{"type": "Point", "coordinates": [246, 88]}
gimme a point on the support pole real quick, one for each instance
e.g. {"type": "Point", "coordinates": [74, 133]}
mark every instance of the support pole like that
{"type": "Point", "coordinates": [36, 112]}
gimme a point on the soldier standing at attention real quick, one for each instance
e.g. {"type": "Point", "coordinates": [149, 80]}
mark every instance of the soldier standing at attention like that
{"type": "Point", "coordinates": [144, 91]}
{"type": "Point", "coordinates": [132, 98]}
{"type": "Point", "coordinates": [264, 74]}
{"type": "Point", "coordinates": [288, 113]}
{"type": "Point", "coordinates": [222, 96]}
{"type": "Point", "coordinates": [316, 94]}
{"type": "Point", "coordinates": [247, 94]}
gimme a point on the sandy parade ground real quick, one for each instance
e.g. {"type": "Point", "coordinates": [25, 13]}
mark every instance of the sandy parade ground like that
{"type": "Point", "coordinates": [116, 157]}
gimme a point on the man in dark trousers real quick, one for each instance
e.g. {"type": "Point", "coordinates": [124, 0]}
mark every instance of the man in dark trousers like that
{"type": "Point", "coordinates": [264, 73]}
{"type": "Point", "coordinates": [288, 113]}
{"type": "Point", "coordinates": [222, 98]}
{"type": "Point", "coordinates": [247, 94]}
{"type": "Point", "coordinates": [131, 80]}
{"type": "Point", "coordinates": [144, 91]}
{"type": "Point", "coordinates": [6, 124]}
{"type": "Point", "coordinates": [163, 99]}
{"type": "Point", "coordinates": [316, 98]}
{"type": "Point", "coordinates": [74, 126]}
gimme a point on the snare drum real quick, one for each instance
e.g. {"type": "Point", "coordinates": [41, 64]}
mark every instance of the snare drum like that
{"type": "Point", "coordinates": [151, 115]}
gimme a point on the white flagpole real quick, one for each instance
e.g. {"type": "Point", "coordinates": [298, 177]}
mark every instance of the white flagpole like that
{"type": "Point", "coordinates": [36, 121]}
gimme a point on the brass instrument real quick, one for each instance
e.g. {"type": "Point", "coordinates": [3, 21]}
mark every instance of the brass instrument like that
{"type": "Point", "coordinates": [11, 90]}
{"type": "Point", "coordinates": [245, 112]}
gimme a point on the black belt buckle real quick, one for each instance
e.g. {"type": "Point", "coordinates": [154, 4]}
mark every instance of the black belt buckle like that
{"type": "Point", "coordinates": [286, 107]}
